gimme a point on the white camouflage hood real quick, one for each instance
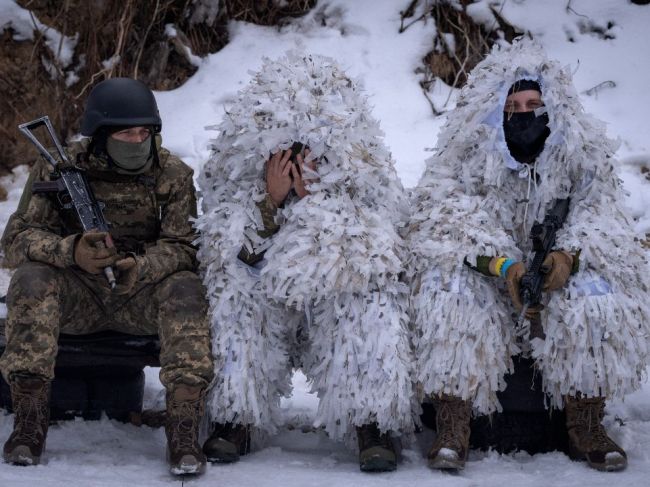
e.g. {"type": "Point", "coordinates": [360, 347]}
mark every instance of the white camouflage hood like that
{"type": "Point", "coordinates": [474, 199]}
{"type": "Point", "coordinates": [577, 161]}
{"type": "Point", "coordinates": [343, 236]}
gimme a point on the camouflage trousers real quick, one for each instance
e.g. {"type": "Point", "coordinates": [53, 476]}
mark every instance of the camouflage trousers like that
{"type": "Point", "coordinates": [44, 300]}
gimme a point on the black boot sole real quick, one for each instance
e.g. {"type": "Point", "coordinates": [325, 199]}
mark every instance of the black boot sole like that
{"type": "Point", "coordinates": [447, 465]}
{"type": "Point", "coordinates": [377, 465]}
{"type": "Point", "coordinates": [223, 458]}
{"type": "Point", "coordinates": [221, 455]}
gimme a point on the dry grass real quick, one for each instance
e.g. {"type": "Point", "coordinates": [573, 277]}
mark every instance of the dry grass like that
{"type": "Point", "coordinates": [266, 12]}
{"type": "Point", "coordinates": [458, 44]}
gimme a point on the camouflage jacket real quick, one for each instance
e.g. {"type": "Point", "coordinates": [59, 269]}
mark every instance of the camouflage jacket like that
{"type": "Point", "coordinates": [149, 215]}
{"type": "Point", "coordinates": [268, 210]}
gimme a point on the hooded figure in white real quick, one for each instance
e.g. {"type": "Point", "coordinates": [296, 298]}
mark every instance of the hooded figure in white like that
{"type": "Point", "coordinates": [314, 273]}
{"type": "Point", "coordinates": [474, 206]}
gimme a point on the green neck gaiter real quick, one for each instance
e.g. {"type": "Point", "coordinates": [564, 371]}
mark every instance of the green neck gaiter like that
{"type": "Point", "coordinates": [133, 157]}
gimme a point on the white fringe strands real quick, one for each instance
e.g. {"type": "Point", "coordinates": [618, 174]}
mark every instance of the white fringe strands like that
{"type": "Point", "coordinates": [601, 336]}
{"type": "Point", "coordinates": [359, 344]}
{"type": "Point", "coordinates": [251, 355]}
{"type": "Point", "coordinates": [467, 349]}
{"type": "Point", "coordinates": [337, 256]}
{"type": "Point", "coordinates": [472, 199]}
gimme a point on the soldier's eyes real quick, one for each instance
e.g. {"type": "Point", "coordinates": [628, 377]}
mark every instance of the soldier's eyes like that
{"type": "Point", "coordinates": [130, 133]}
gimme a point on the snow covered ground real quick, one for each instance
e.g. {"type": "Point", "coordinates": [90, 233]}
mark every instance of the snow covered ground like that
{"type": "Point", "coordinates": [363, 36]}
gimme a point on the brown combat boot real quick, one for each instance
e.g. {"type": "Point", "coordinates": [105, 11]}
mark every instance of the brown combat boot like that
{"type": "Point", "coordinates": [185, 406]}
{"type": "Point", "coordinates": [30, 398]}
{"type": "Point", "coordinates": [588, 439]}
{"type": "Point", "coordinates": [227, 442]}
{"type": "Point", "coordinates": [376, 451]}
{"type": "Point", "coordinates": [451, 447]}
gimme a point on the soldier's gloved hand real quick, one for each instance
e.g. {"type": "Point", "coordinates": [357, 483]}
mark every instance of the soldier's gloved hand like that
{"type": "Point", "coordinates": [91, 257]}
{"type": "Point", "coordinates": [128, 271]}
{"type": "Point", "coordinates": [559, 264]}
{"type": "Point", "coordinates": [513, 277]}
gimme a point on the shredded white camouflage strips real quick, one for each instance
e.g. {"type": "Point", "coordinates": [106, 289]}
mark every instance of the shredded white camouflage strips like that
{"type": "Point", "coordinates": [333, 267]}
{"type": "Point", "coordinates": [475, 199]}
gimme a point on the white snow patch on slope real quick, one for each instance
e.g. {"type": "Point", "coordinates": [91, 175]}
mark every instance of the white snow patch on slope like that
{"type": "Point", "coordinates": [24, 23]}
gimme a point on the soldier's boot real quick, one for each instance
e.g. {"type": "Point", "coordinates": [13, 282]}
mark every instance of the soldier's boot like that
{"type": "Point", "coordinates": [227, 443]}
{"type": "Point", "coordinates": [30, 399]}
{"type": "Point", "coordinates": [185, 407]}
{"type": "Point", "coordinates": [376, 451]}
{"type": "Point", "coordinates": [450, 450]}
{"type": "Point", "coordinates": [588, 439]}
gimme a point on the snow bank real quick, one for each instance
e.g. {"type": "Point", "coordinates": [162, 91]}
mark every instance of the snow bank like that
{"type": "Point", "coordinates": [362, 36]}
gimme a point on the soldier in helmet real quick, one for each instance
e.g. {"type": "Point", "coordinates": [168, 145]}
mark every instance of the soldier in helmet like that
{"type": "Point", "coordinates": [58, 286]}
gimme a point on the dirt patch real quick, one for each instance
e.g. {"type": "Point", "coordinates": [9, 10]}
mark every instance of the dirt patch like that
{"type": "Point", "coordinates": [266, 12]}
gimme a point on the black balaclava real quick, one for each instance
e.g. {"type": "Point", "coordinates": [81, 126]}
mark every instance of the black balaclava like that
{"type": "Point", "coordinates": [525, 132]}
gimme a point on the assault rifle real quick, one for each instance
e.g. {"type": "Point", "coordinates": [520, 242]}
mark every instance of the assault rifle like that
{"type": "Point", "coordinates": [71, 187]}
{"type": "Point", "coordinates": [543, 237]}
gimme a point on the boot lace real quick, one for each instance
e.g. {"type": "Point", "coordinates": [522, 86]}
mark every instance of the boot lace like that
{"type": "Point", "coordinates": [371, 436]}
{"type": "Point", "coordinates": [589, 419]}
{"type": "Point", "coordinates": [452, 424]}
{"type": "Point", "coordinates": [31, 412]}
{"type": "Point", "coordinates": [184, 426]}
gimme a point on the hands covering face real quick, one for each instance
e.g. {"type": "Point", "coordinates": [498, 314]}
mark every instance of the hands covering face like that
{"type": "Point", "coordinates": [282, 174]}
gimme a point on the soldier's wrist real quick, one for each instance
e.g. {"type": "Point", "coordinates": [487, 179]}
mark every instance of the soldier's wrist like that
{"type": "Point", "coordinates": [271, 202]}
{"type": "Point", "coordinates": [268, 209]}
{"type": "Point", "coordinates": [67, 246]}
{"type": "Point", "coordinates": [575, 267]}
{"type": "Point", "coordinates": [499, 266]}
{"type": "Point", "coordinates": [141, 262]}
{"type": "Point", "coordinates": [58, 253]}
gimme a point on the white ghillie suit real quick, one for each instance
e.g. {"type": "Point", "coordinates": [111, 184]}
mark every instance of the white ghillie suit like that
{"type": "Point", "coordinates": [332, 270]}
{"type": "Point", "coordinates": [471, 201]}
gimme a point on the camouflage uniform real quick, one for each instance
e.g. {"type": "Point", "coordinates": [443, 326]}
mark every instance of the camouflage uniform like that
{"type": "Point", "coordinates": [268, 210]}
{"type": "Point", "coordinates": [150, 218]}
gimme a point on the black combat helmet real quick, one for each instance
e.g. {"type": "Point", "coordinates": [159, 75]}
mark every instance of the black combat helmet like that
{"type": "Point", "coordinates": [119, 102]}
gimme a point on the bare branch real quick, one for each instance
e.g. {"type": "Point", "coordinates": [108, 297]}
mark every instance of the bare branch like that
{"type": "Point", "coordinates": [599, 87]}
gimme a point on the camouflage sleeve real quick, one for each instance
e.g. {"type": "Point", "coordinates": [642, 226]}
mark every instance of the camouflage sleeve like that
{"type": "Point", "coordinates": [173, 251]}
{"type": "Point", "coordinates": [268, 210]}
{"type": "Point", "coordinates": [483, 264]}
{"type": "Point", "coordinates": [35, 232]}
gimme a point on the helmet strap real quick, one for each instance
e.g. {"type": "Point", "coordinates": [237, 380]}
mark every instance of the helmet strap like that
{"type": "Point", "coordinates": [154, 146]}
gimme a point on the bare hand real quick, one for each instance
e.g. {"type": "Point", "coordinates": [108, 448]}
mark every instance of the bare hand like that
{"type": "Point", "coordinates": [278, 180]}
{"type": "Point", "coordinates": [299, 180]}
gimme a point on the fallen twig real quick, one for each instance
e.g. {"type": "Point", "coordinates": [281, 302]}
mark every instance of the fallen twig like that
{"type": "Point", "coordinates": [600, 86]}
{"type": "Point", "coordinates": [568, 8]}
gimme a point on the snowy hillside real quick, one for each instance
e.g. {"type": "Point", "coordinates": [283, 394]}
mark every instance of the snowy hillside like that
{"type": "Point", "coordinates": [606, 44]}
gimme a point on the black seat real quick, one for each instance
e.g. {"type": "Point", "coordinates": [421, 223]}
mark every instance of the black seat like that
{"type": "Point", "coordinates": [95, 373]}
{"type": "Point", "coordinates": [525, 423]}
